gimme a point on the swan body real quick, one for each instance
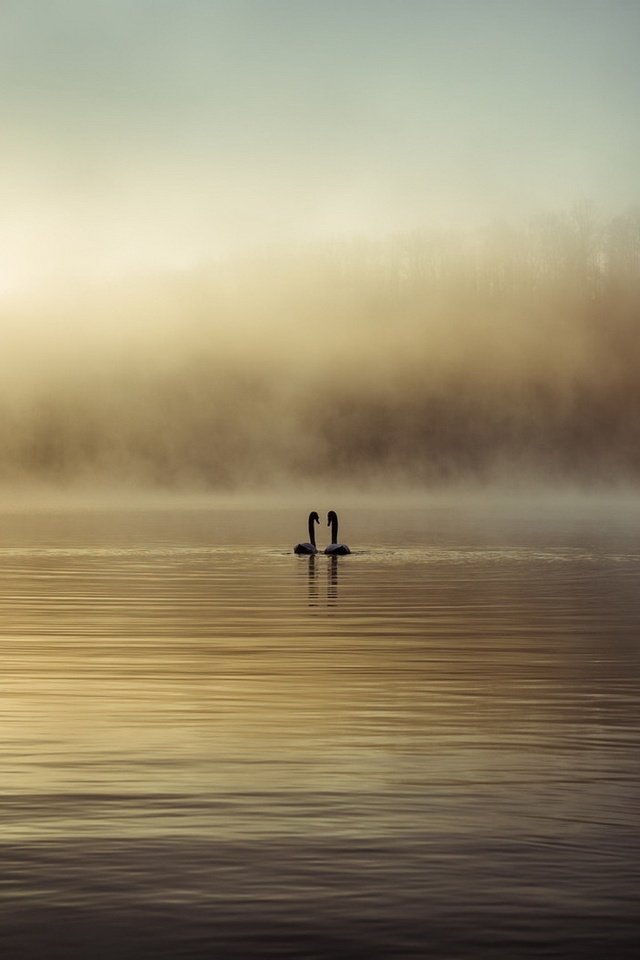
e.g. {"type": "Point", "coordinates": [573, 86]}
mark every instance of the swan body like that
{"type": "Point", "coordinates": [335, 549]}
{"type": "Point", "coordinates": [310, 547]}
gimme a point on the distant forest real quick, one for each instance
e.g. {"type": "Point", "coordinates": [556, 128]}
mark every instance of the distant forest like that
{"type": "Point", "coordinates": [421, 358]}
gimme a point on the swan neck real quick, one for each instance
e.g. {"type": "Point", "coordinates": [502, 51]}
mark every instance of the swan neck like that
{"type": "Point", "coordinates": [334, 530]}
{"type": "Point", "coordinates": [312, 532]}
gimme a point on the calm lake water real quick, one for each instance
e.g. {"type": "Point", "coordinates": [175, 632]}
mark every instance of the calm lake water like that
{"type": "Point", "coordinates": [213, 748]}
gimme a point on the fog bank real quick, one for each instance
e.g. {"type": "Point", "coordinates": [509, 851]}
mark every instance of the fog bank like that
{"type": "Point", "coordinates": [422, 359]}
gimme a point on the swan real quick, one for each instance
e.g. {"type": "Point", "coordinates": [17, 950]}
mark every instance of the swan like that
{"type": "Point", "coordinates": [335, 549]}
{"type": "Point", "coordinates": [309, 547]}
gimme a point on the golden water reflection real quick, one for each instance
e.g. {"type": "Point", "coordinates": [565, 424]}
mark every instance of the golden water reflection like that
{"type": "Point", "coordinates": [399, 696]}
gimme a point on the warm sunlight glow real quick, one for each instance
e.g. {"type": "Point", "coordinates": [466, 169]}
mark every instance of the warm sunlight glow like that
{"type": "Point", "coordinates": [247, 244]}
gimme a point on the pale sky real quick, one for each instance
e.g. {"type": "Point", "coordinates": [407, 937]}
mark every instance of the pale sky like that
{"type": "Point", "coordinates": [144, 134]}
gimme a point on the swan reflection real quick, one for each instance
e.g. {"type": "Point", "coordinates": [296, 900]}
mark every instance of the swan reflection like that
{"type": "Point", "coordinates": [312, 581]}
{"type": "Point", "coordinates": [313, 597]}
{"type": "Point", "coordinates": [332, 580]}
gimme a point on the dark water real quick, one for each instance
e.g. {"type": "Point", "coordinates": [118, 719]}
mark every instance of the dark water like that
{"type": "Point", "coordinates": [213, 748]}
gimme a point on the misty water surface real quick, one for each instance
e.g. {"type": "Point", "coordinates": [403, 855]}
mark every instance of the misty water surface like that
{"type": "Point", "coordinates": [212, 747]}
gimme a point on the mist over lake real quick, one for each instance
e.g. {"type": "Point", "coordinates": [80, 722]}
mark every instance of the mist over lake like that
{"type": "Point", "coordinates": [420, 359]}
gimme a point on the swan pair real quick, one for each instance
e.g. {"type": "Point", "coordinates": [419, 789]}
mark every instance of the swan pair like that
{"type": "Point", "coordinates": [334, 549]}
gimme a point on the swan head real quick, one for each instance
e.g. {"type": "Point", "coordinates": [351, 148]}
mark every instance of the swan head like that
{"type": "Point", "coordinates": [314, 518]}
{"type": "Point", "coordinates": [332, 517]}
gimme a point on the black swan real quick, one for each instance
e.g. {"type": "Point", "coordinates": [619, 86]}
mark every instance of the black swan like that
{"type": "Point", "coordinates": [309, 547]}
{"type": "Point", "coordinates": [335, 549]}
